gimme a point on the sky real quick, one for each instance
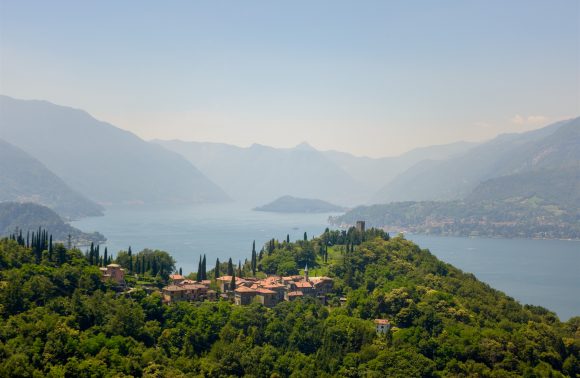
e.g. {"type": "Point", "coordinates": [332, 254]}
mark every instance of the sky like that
{"type": "Point", "coordinates": [374, 78]}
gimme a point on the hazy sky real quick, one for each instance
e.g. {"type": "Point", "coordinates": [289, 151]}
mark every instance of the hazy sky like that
{"type": "Point", "coordinates": [369, 77]}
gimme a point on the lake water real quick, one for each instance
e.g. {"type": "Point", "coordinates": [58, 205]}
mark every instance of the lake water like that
{"type": "Point", "coordinates": [540, 272]}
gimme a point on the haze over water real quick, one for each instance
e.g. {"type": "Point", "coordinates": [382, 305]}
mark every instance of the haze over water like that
{"type": "Point", "coordinates": [539, 272]}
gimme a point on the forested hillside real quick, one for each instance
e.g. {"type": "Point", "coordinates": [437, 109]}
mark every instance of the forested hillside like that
{"type": "Point", "coordinates": [60, 319]}
{"type": "Point", "coordinates": [23, 178]}
{"type": "Point", "coordinates": [29, 217]}
{"type": "Point", "coordinates": [513, 217]}
{"type": "Point", "coordinates": [548, 150]}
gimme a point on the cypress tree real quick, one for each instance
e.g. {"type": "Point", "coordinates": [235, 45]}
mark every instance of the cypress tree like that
{"type": "Point", "coordinates": [50, 249]}
{"type": "Point", "coordinates": [217, 268]}
{"type": "Point", "coordinates": [305, 236]}
{"type": "Point", "coordinates": [253, 263]}
{"type": "Point", "coordinates": [204, 269]}
{"type": "Point", "coordinates": [230, 267]}
{"type": "Point", "coordinates": [106, 257]}
{"type": "Point", "coordinates": [199, 274]}
{"type": "Point", "coordinates": [130, 253]}
{"type": "Point", "coordinates": [239, 268]}
{"type": "Point", "coordinates": [92, 254]}
{"type": "Point", "coordinates": [287, 238]}
{"type": "Point", "coordinates": [180, 271]}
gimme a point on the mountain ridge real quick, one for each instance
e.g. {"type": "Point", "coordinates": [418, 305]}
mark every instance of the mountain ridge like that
{"type": "Point", "coordinates": [107, 164]}
{"type": "Point", "coordinates": [25, 179]}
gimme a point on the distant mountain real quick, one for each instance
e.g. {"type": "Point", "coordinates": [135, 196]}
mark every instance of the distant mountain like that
{"type": "Point", "coordinates": [289, 204]}
{"type": "Point", "coordinates": [519, 185]}
{"type": "Point", "coordinates": [375, 173]}
{"type": "Point", "coordinates": [30, 216]}
{"type": "Point", "coordinates": [551, 148]}
{"type": "Point", "coordinates": [105, 163]}
{"type": "Point", "coordinates": [25, 179]}
{"type": "Point", "coordinates": [259, 173]}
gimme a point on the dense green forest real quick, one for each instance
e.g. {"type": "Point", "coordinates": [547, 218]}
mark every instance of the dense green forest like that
{"type": "Point", "coordinates": [514, 217]}
{"type": "Point", "coordinates": [60, 319]}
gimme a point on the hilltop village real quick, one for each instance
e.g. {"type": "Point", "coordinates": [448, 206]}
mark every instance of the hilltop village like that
{"type": "Point", "coordinates": [242, 291]}
{"type": "Point", "coordinates": [268, 291]}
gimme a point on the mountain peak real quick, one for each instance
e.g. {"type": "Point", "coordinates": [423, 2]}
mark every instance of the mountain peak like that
{"type": "Point", "coordinates": [304, 146]}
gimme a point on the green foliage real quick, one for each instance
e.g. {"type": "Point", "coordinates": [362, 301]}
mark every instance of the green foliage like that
{"type": "Point", "coordinates": [148, 262]}
{"type": "Point", "coordinates": [60, 320]}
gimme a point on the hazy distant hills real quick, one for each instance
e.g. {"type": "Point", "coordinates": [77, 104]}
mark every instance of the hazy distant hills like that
{"type": "Point", "coordinates": [548, 168]}
{"type": "Point", "coordinates": [289, 204]}
{"type": "Point", "coordinates": [25, 179]}
{"type": "Point", "coordinates": [520, 185]}
{"type": "Point", "coordinates": [376, 173]}
{"type": "Point", "coordinates": [27, 217]}
{"type": "Point", "coordinates": [553, 147]}
{"type": "Point", "coordinates": [259, 173]}
{"type": "Point", "coordinates": [105, 163]}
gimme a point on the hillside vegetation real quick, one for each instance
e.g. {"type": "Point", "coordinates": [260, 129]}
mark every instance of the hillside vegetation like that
{"type": "Point", "coordinates": [25, 179]}
{"type": "Point", "coordinates": [60, 319]}
{"type": "Point", "coordinates": [530, 217]}
{"type": "Point", "coordinates": [29, 217]}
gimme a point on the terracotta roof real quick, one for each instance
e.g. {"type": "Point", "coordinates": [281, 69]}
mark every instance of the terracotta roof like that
{"type": "Point", "coordinates": [275, 286]}
{"type": "Point", "coordinates": [176, 277]}
{"type": "Point", "coordinates": [113, 266]}
{"type": "Point", "coordinates": [303, 284]}
{"type": "Point", "coordinates": [229, 278]}
{"type": "Point", "coordinates": [295, 294]}
{"type": "Point", "coordinates": [173, 288]}
{"type": "Point", "coordinates": [382, 321]}
{"type": "Point", "coordinates": [243, 289]}
{"type": "Point", "coordinates": [194, 286]}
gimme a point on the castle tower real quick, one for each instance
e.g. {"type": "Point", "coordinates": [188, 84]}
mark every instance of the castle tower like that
{"type": "Point", "coordinates": [306, 273]}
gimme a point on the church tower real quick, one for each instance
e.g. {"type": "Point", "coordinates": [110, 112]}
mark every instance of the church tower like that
{"type": "Point", "coordinates": [306, 273]}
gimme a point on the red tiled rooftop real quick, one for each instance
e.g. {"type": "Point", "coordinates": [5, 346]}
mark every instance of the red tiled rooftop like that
{"type": "Point", "coordinates": [173, 288]}
{"type": "Point", "coordinates": [382, 321]}
{"type": "Point", "coordinates": [193, 287]}
{"type": "Point", "coordinates": [229, 278]}
{"type": "Point", "coordinates": [176, 277]}
{"type": "Point", "coordinates": [243, 289]}
{"type": "Point", "coordinates": [303, 284]}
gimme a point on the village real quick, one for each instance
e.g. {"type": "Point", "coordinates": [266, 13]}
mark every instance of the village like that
{"type": "Point", "coordinates": [243, 291]}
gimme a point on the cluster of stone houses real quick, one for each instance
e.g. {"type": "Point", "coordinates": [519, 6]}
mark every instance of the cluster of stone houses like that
{"type": "Point", "coordinates": [268, 291]}
{"type": "Point", "coordinates": [182, 289]}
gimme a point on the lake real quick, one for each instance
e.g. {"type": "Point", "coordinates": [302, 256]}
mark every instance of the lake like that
{"type": "Point", "coordinates": [540, 272]}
